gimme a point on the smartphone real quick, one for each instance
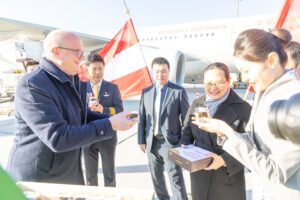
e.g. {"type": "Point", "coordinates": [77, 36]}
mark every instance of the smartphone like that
{"type": "Point", "coordinates": [133, 115]}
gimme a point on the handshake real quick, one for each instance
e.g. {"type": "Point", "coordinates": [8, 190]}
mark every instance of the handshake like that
{"type": "Point", "coordinates": [124, 120]}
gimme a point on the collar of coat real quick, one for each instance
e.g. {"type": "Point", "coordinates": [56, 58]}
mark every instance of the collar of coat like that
{"type": "Point", "coordinates": [232, 99]}
{"type": "Point", "coordinates": [54, 71]}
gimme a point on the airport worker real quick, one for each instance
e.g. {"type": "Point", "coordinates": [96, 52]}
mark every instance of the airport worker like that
{"type": "Point", "coordinates": [52, 121]}
{"type": "Point", "coordinates": [274, 160]}
{"type": "Point", "coordinates": [293, 52]}
{"type": "Point", "coordinates": [31, 65]}
{"type": "Point", "coordinates": [108, 100]}
{"type": "Point", "coordinates": [224, 178]}
{"type": "Point", "coordinates": [292, 49]}
{"type": "Point", "coordinates": [163, 107]}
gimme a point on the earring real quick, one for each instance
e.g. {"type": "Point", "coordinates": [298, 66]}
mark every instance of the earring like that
{"type": "Point", "coordinates": [273, 67]}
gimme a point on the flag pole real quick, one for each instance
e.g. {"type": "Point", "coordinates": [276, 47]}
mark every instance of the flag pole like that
{"type": "Point", "coordinates": [127, 10]}
{"type": "Point", "coordinates": [129, 17]}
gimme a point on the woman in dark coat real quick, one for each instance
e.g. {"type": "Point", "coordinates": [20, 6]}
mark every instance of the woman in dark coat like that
{"type": "Point", "coordinates": [224, 177]}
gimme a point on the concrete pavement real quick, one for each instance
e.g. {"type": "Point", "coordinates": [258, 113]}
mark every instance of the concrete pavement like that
{"type": "Point", "coordinates": [132, 169]}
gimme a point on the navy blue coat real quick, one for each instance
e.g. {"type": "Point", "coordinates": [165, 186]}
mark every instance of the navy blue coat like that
{"type": "Point", "coordinates": [109, 97]}
{"type": "Point", "coordinates": [50, 127]}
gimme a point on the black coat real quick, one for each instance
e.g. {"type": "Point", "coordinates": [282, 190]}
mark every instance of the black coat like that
{"type": "Point", "coordinates": [226, 182]}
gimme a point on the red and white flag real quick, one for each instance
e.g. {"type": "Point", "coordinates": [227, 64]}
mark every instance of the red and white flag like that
{"type": "Point", "coordinates": [289, 18]}
{"type": "Point", "coordinates": [124, 62]}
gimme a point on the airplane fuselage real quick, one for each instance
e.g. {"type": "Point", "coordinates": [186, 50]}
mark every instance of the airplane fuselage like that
{"type": "Point", "coordinates": [202, 42]}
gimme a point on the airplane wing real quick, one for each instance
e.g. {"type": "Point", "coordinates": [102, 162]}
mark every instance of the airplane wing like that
{"type": "Point", "coordinates": [18, 30]}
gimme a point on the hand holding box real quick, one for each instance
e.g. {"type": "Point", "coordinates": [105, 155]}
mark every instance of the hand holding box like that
{"type": "Point", "coordinates": [190, 157]}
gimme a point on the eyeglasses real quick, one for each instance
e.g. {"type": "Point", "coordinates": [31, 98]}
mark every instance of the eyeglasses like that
{"type": "Point", "coordinates": [216, 84]}
{"type": "Point", "coordinates": [79, 53]}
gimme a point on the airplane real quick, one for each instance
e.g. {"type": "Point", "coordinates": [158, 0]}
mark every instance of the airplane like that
{"type": "Point", "coordinates": [189, 47]}
{"type": "Point", "coordinates": [196, 44]}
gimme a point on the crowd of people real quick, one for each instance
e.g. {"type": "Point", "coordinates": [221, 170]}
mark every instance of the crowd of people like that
{"type": "Point", "coordinates": [58, 118]}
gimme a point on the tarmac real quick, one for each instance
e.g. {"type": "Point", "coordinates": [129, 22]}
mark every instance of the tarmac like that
{"type": "Point", "coordinates": [132, 169]}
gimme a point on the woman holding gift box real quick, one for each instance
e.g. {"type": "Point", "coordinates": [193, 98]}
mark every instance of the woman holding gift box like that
{"type": "Point", "coordinates": [224, 177]}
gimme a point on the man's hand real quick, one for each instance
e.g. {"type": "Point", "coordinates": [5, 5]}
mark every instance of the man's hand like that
{"type": "Point", "coordinates": [122, 121]}
{"type": "Point", "coordinates": [143, 147]}
{"type": "Point", "coordinates": [96, 107]}
{"type": "Point", "coordinates": [216, 163]}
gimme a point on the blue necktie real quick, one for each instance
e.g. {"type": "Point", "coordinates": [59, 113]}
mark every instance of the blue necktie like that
{"type": "Point", "coordinates": [162, 97]}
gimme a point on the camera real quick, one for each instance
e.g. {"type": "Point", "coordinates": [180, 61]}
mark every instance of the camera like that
{"type": "Point", "coordinates": [284, 119]}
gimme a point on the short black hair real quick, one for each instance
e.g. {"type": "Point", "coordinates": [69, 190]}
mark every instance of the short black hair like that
{"type": "Point", "coordinates": [293, 49]}
{"type": "Point", "coordinates": [94, 57]}
{"type": "Point", "coordinates": [160, 61]}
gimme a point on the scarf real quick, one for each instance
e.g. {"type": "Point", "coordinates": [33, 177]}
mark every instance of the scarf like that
{"type": "Point", "coordinates": [213, 104]}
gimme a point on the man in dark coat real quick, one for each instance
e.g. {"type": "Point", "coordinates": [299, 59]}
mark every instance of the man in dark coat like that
{"type": "Point", "coordinates": [51, 115]}
{"type": "Point", "coordinates": [224, 178]}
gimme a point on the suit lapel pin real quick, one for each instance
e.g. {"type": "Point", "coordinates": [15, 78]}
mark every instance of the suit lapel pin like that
{"type": "Point", "coordinates": [106, 94]}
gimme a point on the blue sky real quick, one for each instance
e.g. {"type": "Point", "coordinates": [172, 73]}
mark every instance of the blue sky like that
{"type": "Point", "coordinates": [96, 16]}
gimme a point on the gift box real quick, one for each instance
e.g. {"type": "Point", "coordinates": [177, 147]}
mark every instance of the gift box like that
{"type": "Point", "coordinates": [190, 157]}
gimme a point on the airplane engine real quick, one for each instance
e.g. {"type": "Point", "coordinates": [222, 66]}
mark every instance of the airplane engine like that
{"type": "Point", "coordinates": [177, 63]}
{"type": "Point", "coordinates": [176, 59]}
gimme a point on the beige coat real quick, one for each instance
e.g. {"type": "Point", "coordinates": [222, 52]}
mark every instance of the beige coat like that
{"type": "Point", "coordinates": [278, 162]}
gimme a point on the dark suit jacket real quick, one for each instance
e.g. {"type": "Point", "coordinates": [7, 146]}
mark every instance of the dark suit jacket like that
{"type": "Point", "coordinates": [50, 111]}
{"type": "Point", "coordinates": [229, 181]}
{"type": "Point", "coordinates": [173, 113]}
{"type": "Point", "coordinates": [109, 97]}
